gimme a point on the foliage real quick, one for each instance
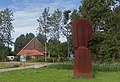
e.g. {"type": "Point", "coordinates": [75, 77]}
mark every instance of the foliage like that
{"type": "Point", "coordinates": [53, 47]}
{"type": "Point", "coordinates": [56, 24]}
{"type": "Point", "coordinates": [41, 38]}
{"type": "Point", "coordinates": [44, 26]}
{"type": "Point", "coordinates": [75, 15]}
{"type": "Point", "coordinates": [106, 44]}
{"type": "Point", "coordinates": [22, 40]}
{"type": "Point", "coordinates": [6, 29]}
{"type": "Point", "coordinates": [67, 29]}
{"type": "Point", "coordinates": [44, 23]}
{"type": "Point", "coordinates": [3, 53]}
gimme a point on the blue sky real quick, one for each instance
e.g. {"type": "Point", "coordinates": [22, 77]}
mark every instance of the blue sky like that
{"type": "Point", "coordinates": [26, 12]}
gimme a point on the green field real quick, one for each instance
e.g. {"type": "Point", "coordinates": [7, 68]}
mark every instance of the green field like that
{"type": "Point", "coordinates": [55, 75]}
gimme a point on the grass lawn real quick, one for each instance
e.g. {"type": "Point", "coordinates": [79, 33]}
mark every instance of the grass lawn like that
{"type": "Point", "coordinates": [55, 75]}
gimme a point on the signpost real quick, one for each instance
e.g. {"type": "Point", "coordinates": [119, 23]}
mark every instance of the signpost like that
{"type": "Point", "coordinates": [23, 60]}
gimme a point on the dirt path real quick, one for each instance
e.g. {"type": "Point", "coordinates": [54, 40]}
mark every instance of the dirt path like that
{"type": "Point", "coordinates": [34, 65]}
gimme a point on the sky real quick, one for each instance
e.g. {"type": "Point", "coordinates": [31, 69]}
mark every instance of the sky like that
{"type": "Point", "coordinates": [26, 12]}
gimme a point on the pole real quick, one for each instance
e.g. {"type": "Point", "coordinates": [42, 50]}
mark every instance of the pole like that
{"type": "Point", "coordinates": [45, 51]}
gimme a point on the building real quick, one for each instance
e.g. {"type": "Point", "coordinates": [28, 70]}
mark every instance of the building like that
{"type": "Point", "coordinates": [32, 49]}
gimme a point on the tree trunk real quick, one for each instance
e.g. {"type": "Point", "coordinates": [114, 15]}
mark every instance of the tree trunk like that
{"type": "Point", "coordinates": [68, 49]}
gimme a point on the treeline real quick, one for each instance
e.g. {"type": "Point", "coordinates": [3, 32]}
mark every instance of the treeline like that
{"type": "Point", "coordinates": [105, 18]}
{"type": "Point", "coordinates": [6, 28]}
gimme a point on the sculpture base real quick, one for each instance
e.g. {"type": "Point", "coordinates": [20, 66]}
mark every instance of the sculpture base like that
{"type": "Point", "coordinates": [82, 63]}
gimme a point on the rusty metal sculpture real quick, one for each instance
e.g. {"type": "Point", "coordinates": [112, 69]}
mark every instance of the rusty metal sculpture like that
{"type": "Point", "coordinates": [82, 37]}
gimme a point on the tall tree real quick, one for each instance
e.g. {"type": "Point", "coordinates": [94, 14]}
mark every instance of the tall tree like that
{"type": "Point", "coordinates": [67, 29]}
{"type": "Point", "coordinates": [43, 25]}
{"type": "Point", "coordinates": [56, 25]}
{"type": "Point", "coordinates": [6, 27]}
{"type": "Point", "coordinates": [104, 34]}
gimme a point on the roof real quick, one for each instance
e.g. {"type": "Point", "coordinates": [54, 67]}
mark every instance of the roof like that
{"type": "Point", "coordinates": [34, 44]}
{"type": "Point", "coordinates": [34, 47]}
{"type": "Point", "coordinates": [30, 52]}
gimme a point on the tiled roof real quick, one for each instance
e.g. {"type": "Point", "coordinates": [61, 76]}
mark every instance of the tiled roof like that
{"type": "Point", "coordinates": [30, 53]}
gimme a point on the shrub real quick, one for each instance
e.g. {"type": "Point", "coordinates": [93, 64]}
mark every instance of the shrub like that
{"type": "Point", "coordinates": [105, 67]}
{"type": "Point", "coordinates": [64, 65]}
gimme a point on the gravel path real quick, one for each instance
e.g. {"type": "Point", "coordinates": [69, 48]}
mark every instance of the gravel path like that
{"type": "Point", "coordinates": [26, 67]}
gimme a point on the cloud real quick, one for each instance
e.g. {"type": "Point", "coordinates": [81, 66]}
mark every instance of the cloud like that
{"type": "Point", "coordinates": [26, 12]}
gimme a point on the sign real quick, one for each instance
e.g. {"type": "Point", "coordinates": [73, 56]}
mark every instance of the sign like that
{"type": "Point", "coordinates": [23, 58]}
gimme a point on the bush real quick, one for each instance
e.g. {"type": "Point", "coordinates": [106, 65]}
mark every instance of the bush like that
{"type": "Point", "coordinates": [64, 65]}
{"type": "Point", "coordinates": [64, 59]}
{"type": "Point", "coordinates": [42, 59]}
{"type": "Point", "coordinates": [105, 67]}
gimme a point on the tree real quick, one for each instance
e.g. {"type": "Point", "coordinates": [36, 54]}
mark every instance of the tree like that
{"type": "Point", "coordinates": [75, 15]}
{"type": "Point", "coordinates": [56, 25]}
{"type": "Point", "coordinates": [29, 36]}
{"type": "Point", "coordinates": [67, 29]}
{"type": "Point", "coordinates": [104, 34]}
{"type": "Point", "coordinates": [6, 29]}
{"type": "Point", "coordinates": [44, 25]}
{"type": "Point", "coordinates": [53, 47]}
{"type": "Point", "coordinates": [22, 40]}
{"type": "Point", "coordinates": [41, 38]}
{"type": "Point", "coordinates": [63, 49]}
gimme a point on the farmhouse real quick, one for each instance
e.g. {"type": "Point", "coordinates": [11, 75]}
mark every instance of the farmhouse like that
{"type": "Point", "coordinates": [32, 49]}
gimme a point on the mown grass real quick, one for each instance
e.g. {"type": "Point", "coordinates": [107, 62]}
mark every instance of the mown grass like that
{"type": "Point", "coordinates": [55, 75]}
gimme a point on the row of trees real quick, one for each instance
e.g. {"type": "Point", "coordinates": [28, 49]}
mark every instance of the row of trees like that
{"type": "Point", "coordinates": [6, 28]}
{"type": "Point", "coordinates": [54, 25]}
{"type": "Point", "coordinates": [105, 17]}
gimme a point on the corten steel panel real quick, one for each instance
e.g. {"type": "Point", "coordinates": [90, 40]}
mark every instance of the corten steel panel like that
{"type": "Point", "coordinates": [82, 63]}
{"type": "Point", "coordinates": [82, 37]}
{"type": "Point", "coordinates": [82, 32]}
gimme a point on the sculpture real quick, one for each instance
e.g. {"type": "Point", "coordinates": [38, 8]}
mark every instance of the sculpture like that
{"type": "Point", "coordinates": [82, 37]}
